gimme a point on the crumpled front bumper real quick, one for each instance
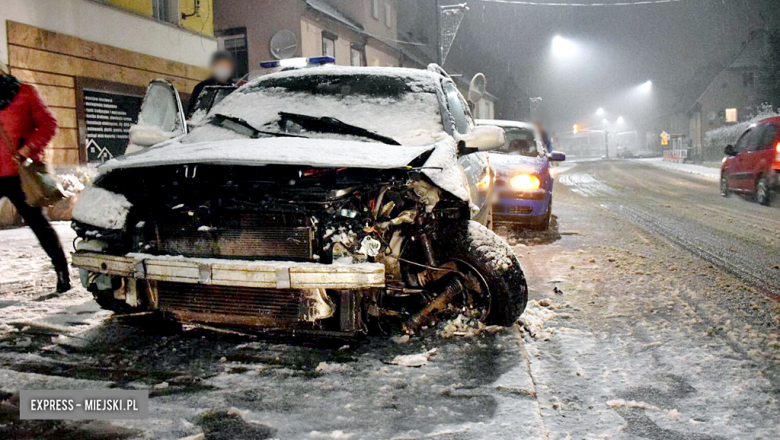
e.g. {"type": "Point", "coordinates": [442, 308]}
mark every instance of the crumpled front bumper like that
{"type": "Point", "coordinates": [268, 294]}
{"type": "Point", "coordinates": [218, 272]}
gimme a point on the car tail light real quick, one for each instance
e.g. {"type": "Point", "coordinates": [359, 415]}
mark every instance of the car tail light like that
{"type": "Point", "coordinates": [777, 157]}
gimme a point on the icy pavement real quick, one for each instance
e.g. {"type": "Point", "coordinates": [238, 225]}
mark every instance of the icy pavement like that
{"type": "Point", "coordinates": [635, 332]}
{"type": "Point", "coordinates": [708, 173]}
{"type": "Point", "coordinates": [239, 388]}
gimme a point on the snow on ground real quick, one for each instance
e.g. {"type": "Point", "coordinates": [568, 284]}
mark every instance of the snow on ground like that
{"type": "Point", "coordinates": [708, 173]}
{"type": "Point", "coordinates": [27, 280]}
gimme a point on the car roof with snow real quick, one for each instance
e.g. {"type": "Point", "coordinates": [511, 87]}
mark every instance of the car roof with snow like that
{"type": "Point", "coordinates": [399, 72]}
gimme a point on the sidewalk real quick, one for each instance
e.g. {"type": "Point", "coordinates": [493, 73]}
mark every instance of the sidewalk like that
{"type": "Point", "coordinates": [706, 172]}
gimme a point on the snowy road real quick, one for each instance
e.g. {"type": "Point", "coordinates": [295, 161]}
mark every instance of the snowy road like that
{"type": "Point", "coordinates": [673, 329]}
{"type": "Point", "coordinates": [653, 317]}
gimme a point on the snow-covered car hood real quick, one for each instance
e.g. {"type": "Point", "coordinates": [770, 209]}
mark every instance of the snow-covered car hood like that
{"type": "Point", "coordinates": [512, 164]}
{"type": "Point", "coordinates": [441, 167]}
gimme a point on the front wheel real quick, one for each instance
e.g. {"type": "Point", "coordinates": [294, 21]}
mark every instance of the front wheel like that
{"type": "Point", "coordinates": [544, 224]}
{"type": "Point", "coordinates": [724, 185]}
{"type": "Point", "coordinates": [472, 246]}
{"type": "Point", "coordinates": [762, 192]}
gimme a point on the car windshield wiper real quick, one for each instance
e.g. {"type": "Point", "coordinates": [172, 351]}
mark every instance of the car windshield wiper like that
{"type": "Point", "coordinates": [326, 124]}
{"type": "Point", "coordinates": [240, 126]}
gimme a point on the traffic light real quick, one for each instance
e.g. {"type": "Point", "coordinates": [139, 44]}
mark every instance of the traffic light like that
{"type": "Point", "coordinates": [576, 129]}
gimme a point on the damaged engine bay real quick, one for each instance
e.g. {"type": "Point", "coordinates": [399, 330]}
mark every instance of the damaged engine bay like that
{"type": "Point", "coordinates": [343, 217]}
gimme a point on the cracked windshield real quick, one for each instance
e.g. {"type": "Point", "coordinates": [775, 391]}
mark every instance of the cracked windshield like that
{"type": "Point", "coordinates": [390, 219]}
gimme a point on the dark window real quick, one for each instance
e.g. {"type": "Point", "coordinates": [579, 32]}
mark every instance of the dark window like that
{"type": "Point", "coordinates": [748, 79]}
{"type": "Point", "coordinates": [166, 10]}
{"type": "Point", "coordinates": [357, 56]}
{"type": "Point", "coordinates": [388, 15]}
{"type": "Point", "coordinates": [234, 41]}
{"type": "Point", "coordinates": [329, 44]}
{"type": "Point", "coordinates": [754, 141]}
{"type": "Point", "coordinates": [768, 137]}
{"type": "Point", "coordinates": [742, 142]}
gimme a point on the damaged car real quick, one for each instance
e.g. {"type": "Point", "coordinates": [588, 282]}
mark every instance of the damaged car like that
{"type": "Point", "coordinates": [334, 200]}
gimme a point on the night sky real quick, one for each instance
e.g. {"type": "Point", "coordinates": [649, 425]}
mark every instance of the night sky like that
{"type": "Point", "coordinates": [618, 49]}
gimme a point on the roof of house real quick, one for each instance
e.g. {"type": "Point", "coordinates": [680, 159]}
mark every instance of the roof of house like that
{"type": "Point", "coordinates": [330, 11]}
{"type": "Point", "coordinates": [749, 57]}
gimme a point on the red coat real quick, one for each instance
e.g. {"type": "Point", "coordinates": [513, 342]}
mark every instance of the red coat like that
{"type": "Point", "coordinates": [28, 118]}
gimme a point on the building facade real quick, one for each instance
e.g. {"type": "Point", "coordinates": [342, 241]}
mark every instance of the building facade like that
{"type": "Point", "coordinates": [92, 60]}
{"type": "Point", "coordinates": [354, 32]}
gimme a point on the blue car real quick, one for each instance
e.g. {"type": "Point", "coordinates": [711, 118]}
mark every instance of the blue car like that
{"type": "Point", "coordinates": [524, 181]}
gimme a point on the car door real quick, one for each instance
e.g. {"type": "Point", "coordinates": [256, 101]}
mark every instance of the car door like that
{"type": "Point", "coordinates": [752, 160]}
{"type": "Point", "coordinates": [761, 158]}
{"type": "Point", "coordinates": [736, 173]}
{"type": "Point", "coordinates": [161, 118]}
{"type": "Point", "coordinates": [476, 165]}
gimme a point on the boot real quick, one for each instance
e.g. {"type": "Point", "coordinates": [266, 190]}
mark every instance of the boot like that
{"type": "Point", "coordinates": [63, 281]}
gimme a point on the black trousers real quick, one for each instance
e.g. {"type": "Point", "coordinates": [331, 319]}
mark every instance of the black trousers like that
{"type": "Point", "coordinates": [11, 187]}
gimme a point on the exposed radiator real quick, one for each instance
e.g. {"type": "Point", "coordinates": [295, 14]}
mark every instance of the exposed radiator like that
{"type": "Point", "coordinates": [231, 305]}
{"type": "Point", "coordinates": [239, 235]}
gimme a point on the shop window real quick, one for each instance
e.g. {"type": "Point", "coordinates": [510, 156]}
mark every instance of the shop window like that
{"type": "Point", "coordinates": [748, 79]}
{"type": "Point", "coordinates": [234, 41]}
{"type": "Point", "coordinates": [166, 10]}
{"type": "Point", "coordinates": [329, 44]}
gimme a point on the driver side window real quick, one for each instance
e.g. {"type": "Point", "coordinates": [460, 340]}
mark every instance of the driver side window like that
{"type": "Point", "coordinates": [742, 142]}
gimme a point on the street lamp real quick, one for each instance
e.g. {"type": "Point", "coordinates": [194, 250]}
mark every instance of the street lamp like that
{"type": "Point", "coordinates": [646, 87]}
{"type": "Point", "coordinates": [600, 112]}
{"type": "Point", "coordinates": [620, 120]}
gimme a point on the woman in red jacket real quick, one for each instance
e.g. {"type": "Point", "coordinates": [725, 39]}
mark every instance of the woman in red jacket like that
{"type": "Point", "coordinates": [29, 126]}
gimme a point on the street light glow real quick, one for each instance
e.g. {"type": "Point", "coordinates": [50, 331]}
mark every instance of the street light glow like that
{"type": "Point", "coordinates": [604, 121]}
{"type": "Point", "coordinates": [646, 87]}
{"type": "Point", "coordinates": [620, 120]}
{"type": "Point", "coordinates": [600, 111]}
{"type": "Point", "coordinates": [562, 47]}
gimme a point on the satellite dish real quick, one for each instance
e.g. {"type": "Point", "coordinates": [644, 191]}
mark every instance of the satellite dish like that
{"type": "Point", "coordinates": [284, 44]}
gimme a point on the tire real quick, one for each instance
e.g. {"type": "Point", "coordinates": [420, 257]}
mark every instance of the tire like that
{"type": "Point", "coordinates": [544, 225]}
{"type": "Point", "coordinates": [763, 196]}
{"type": "Point", "coordinates": [496, 263]}
{"type": "Point", "coordinates": [724, 185]}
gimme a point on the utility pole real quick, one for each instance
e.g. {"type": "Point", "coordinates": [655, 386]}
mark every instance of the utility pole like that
{"type": "Point", "coordinates": [438, 33]}
{"type": "Point", "coordinates": [606, 143]}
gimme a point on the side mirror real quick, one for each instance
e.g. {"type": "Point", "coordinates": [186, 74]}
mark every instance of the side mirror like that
{"type": "Point", "coordinates": [483, 138]}
{"type": "Point", "coordinates": [557, 156]}
{"type": "Point", "coordinates": [149, 135]}
{"type": "Point", "coordinates": [477, 88]}
{"type": "Point", "coordinates": [730, 151]}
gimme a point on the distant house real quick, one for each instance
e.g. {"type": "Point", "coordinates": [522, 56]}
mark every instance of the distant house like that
{"type": "Point", "coordinates": [734, 95]}
{"type": "Point", "coordinates": [716, 96]}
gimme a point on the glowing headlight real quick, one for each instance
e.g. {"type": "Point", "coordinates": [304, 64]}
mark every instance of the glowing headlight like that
{"type": "Point", "coordinates": [525, 182]}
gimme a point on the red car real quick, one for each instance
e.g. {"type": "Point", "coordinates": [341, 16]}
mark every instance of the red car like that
{"type": "Point", "coordinates": [752, 166]}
